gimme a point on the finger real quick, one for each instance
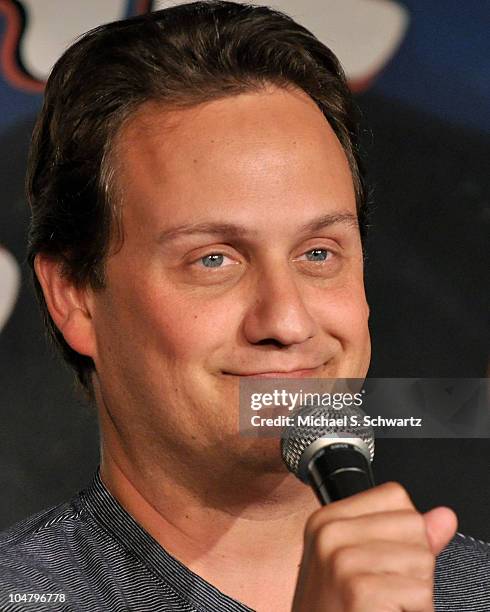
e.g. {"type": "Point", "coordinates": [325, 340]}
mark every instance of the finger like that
{"type": "Point", "coordinates": [406, 527]}
{"type": "Point", "coordinates": [369, 592]}
{"type": "Point", "coordinates": [382, 558]}
{"type": "Point", "coordinates": [383, 498]}
{"type": "Point", "coordinates": [441, 524]}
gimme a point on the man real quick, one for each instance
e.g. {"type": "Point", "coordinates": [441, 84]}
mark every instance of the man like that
{"type": "Point", "coordinates": [196, 202]}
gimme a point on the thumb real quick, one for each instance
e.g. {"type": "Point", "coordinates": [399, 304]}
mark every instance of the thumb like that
{"type": "Point", "coordinates": [441, 524]}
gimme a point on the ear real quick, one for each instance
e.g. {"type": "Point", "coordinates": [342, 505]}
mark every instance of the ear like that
{"type": "Point", "coordinates": [70, 307]}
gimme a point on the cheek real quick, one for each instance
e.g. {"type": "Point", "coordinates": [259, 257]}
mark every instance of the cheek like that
{"type": "Point", "coordinates": [180, 327]}
{"type": "Point", "coordinates": [344, 313]}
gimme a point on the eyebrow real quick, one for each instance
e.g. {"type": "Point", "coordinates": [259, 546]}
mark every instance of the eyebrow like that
{"type": "Point", "coordinates": [344, 218]}
{"type": "Point", "coordinates": [239, 231]}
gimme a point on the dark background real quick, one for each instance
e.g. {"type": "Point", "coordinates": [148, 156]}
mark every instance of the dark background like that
{"type": "Point", "coordinates": [426, 143]}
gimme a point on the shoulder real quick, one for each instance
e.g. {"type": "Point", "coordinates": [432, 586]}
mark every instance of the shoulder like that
{"type": "Point", "coordinates": [37, 554]}
{"type": "Point", "coordinates": [462, 579]}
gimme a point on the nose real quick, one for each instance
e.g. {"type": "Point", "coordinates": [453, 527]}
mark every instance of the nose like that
{"type": "Point", "coordinates": [278, 314]}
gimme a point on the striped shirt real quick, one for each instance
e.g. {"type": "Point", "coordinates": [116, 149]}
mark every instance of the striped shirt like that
{"type": "Point", "coordinates": [90, 555]}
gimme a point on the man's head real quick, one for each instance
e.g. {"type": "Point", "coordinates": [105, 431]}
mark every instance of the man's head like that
{"type": "Point", "coordinates": [174, 59]}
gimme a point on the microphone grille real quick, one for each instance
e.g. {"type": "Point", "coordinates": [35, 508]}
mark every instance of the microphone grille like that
{"type": "Point", "coordinates": [297, 438]}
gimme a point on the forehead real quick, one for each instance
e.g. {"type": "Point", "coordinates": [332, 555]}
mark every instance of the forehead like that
{"type": "Point", "coordinates": [260, 147]}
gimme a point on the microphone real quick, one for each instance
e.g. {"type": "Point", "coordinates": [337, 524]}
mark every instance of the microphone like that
{"type": "Point", "coordinates": [331, 450]}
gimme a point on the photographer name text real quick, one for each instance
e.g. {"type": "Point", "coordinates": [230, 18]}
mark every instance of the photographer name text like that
{"type": "Point", "coordinates": [335, 422]}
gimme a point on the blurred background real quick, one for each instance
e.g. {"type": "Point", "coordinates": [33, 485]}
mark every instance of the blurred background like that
{"type": "Point", "coordinates": [420, 70]}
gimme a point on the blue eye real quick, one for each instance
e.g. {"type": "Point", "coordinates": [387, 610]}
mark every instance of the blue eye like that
{"type": "Point", "coordinates": [317, 255]}
{"type": "Point", "coordinates": [212, 261]}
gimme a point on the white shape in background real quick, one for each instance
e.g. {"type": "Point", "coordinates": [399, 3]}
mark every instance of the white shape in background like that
{"type": "Point", "coordinates": [364, 34]}
{"type": "Point", "coordinates": [9, 285]}
{"type": "Point", "coordinates": [52, 25]}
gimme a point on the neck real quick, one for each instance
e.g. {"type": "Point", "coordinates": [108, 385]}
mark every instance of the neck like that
{"type": "Point", "coordinates": [243, 534]}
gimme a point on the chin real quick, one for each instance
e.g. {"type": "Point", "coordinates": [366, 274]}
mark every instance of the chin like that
{"type": "Point", "coordinates": [260, 455]}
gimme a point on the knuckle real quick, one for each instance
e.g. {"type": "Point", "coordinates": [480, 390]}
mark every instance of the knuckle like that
{"type": "Point", "coordinates": [398, 495]}
{"type": "Point", "coordinates": [325, 538]}
{"type": "Point", "coordinates": [357, 590]}
{"type": "Point", "coordinates": [313, 523]}
{"type": "Point", "coordinates": [417, 525]}
{"type": "Point", "coordinates": [425, 596]}
{"type": "Point", "coordinates": [342, 562]}
{"type": "Point", "coordinates": [426, 564]}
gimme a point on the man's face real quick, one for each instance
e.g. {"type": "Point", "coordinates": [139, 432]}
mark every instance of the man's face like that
{"type": "Point", "coordinates": [241, 256]}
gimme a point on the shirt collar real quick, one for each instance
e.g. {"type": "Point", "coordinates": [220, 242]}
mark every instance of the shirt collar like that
{"type": "Point", "coordinates": [109, 513]}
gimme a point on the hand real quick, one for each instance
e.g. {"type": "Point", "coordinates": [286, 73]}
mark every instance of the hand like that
{"type": "Point", "coordinates": [372, 552]}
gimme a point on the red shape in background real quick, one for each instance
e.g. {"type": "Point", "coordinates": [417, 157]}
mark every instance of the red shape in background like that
{"type": "Point", "coordinates": [14, 28]}
{"type": "Point", "coordinates": [11, 68]}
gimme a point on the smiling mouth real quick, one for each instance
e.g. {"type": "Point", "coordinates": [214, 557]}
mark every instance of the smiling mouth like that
{"type": "Point", "coordinates": [303, 373]}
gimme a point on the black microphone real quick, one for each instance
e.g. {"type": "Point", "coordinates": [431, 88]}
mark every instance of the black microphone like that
{"type": "Point", "coordinates": [331, 450]}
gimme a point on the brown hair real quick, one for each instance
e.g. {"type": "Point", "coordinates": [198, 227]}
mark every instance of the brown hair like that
{"type": "Point", "coordinates": [179, 56]}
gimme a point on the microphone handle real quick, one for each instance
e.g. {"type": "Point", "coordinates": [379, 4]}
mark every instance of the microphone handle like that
{"type": "Point", "coordinates": [338, 471]}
